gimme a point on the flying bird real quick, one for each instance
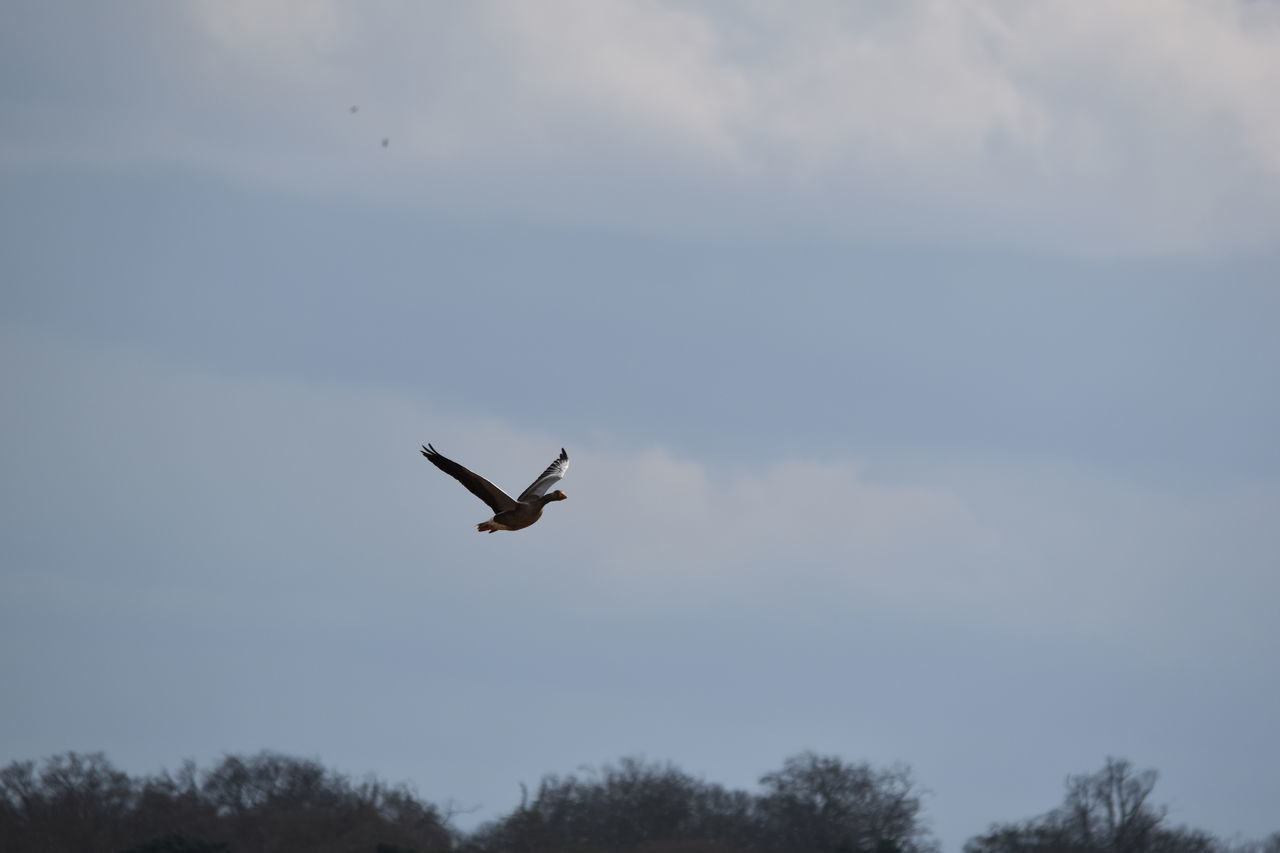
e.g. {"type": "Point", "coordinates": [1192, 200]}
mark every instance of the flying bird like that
{"type": "Point", "coordinates": [508, 513]}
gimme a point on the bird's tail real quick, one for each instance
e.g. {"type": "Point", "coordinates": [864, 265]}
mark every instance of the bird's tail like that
{"type": "Point", "coordinates": [487, 526]}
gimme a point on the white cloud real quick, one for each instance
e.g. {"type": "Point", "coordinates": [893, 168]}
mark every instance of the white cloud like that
{"type": "Point", "coordinates": [1030, 549]}
{"type": "Point", "coordinates": [1144, 126]}
{"type": "Point", "coordinates": [626, 68]}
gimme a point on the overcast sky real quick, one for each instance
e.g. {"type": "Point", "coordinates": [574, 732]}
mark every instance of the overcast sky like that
{"type": "Point", "coordinates": [917, 361]}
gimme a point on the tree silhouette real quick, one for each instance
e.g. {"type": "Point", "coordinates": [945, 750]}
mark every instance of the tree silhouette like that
{"type": "Point", "coordinates": [622, 806]}
{"type": "Point", "coordinates": [266, 802]}
{"type": "Point", "coordinates": [822, 803]}
{"type": "Point", "coordinates": [274, 803]}
{"type": "Point", "coordinates": [1105, 812]}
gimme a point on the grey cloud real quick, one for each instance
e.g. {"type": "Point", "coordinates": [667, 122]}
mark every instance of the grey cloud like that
{"type": "Point", "coordinates": [176, 477]}
{"type": "Point", "coordinates": [1134, 129]}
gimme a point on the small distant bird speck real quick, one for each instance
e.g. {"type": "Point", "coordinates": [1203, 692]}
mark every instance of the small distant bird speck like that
{"type": "Point", "coordinates": [386, 140]}
{"type": "Point", "coordinates": [508, 513]}
{"type": "Point", "coordinates": [355, 108]}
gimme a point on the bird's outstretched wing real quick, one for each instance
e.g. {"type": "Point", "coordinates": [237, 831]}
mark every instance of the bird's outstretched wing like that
{"type": "Point", "coordinates": [549, 477]}
{"type": "Point", "coordinates": [498, 500]}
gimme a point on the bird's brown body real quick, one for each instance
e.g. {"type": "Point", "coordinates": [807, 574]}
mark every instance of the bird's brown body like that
{"type": "Point", "coordinates": [526, 513]}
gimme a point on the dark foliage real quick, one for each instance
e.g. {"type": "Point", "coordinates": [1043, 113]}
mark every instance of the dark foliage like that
{"type": "Point", "coordinates": [175, 843]}
{"type": "Point", "coordinates": [1106, 812]}
{"type": "Point", "coordinates": [814, 804]}
{"type": "Point", "coordinates": [631, 806]}
{"type": "Point", "coordinates": [261, 804]}
{"type": "Point", "coordinates": [821, 803]}
{"type": "Point", "coordinates": [272, 803]}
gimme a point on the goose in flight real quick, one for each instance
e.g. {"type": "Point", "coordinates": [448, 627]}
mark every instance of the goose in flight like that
{"type": "Point", "coordinates": [508, 513]}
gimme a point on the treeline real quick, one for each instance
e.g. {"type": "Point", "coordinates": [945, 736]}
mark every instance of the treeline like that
{"type": "Point", "coordinates": [813, 804]}
{"type": "Point", "coordinates": [268, 802]}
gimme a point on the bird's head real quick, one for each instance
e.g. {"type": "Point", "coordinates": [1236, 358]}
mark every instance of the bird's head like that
{"type": "Point", "coordinates": [557, 495]}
